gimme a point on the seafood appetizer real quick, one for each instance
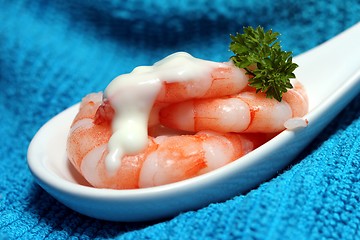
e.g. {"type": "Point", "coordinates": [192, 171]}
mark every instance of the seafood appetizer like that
{"type": "Point", "coordinates": [184, 116]}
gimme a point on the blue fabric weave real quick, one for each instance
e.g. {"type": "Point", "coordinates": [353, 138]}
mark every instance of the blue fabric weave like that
{"type": "Point", "coordinates": [54, 52]}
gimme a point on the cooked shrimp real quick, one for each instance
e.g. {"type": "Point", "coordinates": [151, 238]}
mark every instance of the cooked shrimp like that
{"type": "Point", "coordinates": [116, 141]}
{"type": "Point", "coordinates": [178, 77]}
{"type": "Point", "coordinates": [246, 111]}
{"type": "Point", "coordinates": [166, 159]}
{"type": "Point", "coordinates": [181, 157]}
{"type": "Point", "coordinates": [181, 77]}
{"type": "Point", "coordinates": [224, 79]}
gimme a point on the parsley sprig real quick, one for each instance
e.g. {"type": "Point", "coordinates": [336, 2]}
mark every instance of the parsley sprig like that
{"type": "Point", "coordinates": [260, 54]}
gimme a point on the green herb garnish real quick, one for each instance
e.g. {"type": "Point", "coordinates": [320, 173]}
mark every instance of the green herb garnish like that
{"type": "Point", "coordinates": [260, 54]}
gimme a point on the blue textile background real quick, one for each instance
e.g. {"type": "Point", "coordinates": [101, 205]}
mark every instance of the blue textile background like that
{"type": "Point", "coordinates": [54, 52]}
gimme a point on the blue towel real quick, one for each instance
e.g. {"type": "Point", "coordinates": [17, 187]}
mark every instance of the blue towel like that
{"type": "Point", "coordinates": [54, 52]}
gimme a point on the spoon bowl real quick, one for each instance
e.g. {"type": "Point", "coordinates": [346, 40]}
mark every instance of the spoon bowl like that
{"type": "Point", "coordinates": [330, 74]}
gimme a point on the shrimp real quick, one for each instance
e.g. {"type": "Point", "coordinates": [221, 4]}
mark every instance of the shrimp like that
{"type": "Point", "coordinates": [224, 79]}
{"type": "Point", "coordinates": [182, 77]}
{"type": "Point", "coordinates": [120, 140]}
{"type": "Point", "coordinates": [246, 111]}
{"type": "Point", "coordinates": [166, 159]}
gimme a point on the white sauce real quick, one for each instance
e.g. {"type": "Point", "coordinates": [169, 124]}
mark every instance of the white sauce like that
{"type": "Point", "coordinates": [133, 95]}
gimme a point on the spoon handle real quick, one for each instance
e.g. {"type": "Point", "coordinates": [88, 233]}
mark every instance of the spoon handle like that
{"type": "Point", "coordinates": [327, 68]}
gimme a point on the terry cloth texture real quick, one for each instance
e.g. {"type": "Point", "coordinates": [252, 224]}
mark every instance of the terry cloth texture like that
{"type": "Point", "coordinates": [52, 53]}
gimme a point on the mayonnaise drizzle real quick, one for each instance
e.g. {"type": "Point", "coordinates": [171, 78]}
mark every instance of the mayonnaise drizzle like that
{"type": "Point", "coordinates": [133, 95]}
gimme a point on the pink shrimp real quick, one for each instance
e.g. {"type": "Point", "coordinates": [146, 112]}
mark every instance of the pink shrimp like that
{"type": "Point", "coordinates": [167, 159]}
{"type": "Point", "coordinates": [223, 80]}
{"type": "Point", "coordinates": [200, 107]}
{"type": "Point", "coordinates": [246, 111]}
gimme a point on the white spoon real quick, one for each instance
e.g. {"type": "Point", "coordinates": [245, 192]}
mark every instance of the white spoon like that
{"type": "Point", "coordinates": [331, 76]}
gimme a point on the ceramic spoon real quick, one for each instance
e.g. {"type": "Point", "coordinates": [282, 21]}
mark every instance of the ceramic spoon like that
{"type": "Point", "coordinates": [331, 76]}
